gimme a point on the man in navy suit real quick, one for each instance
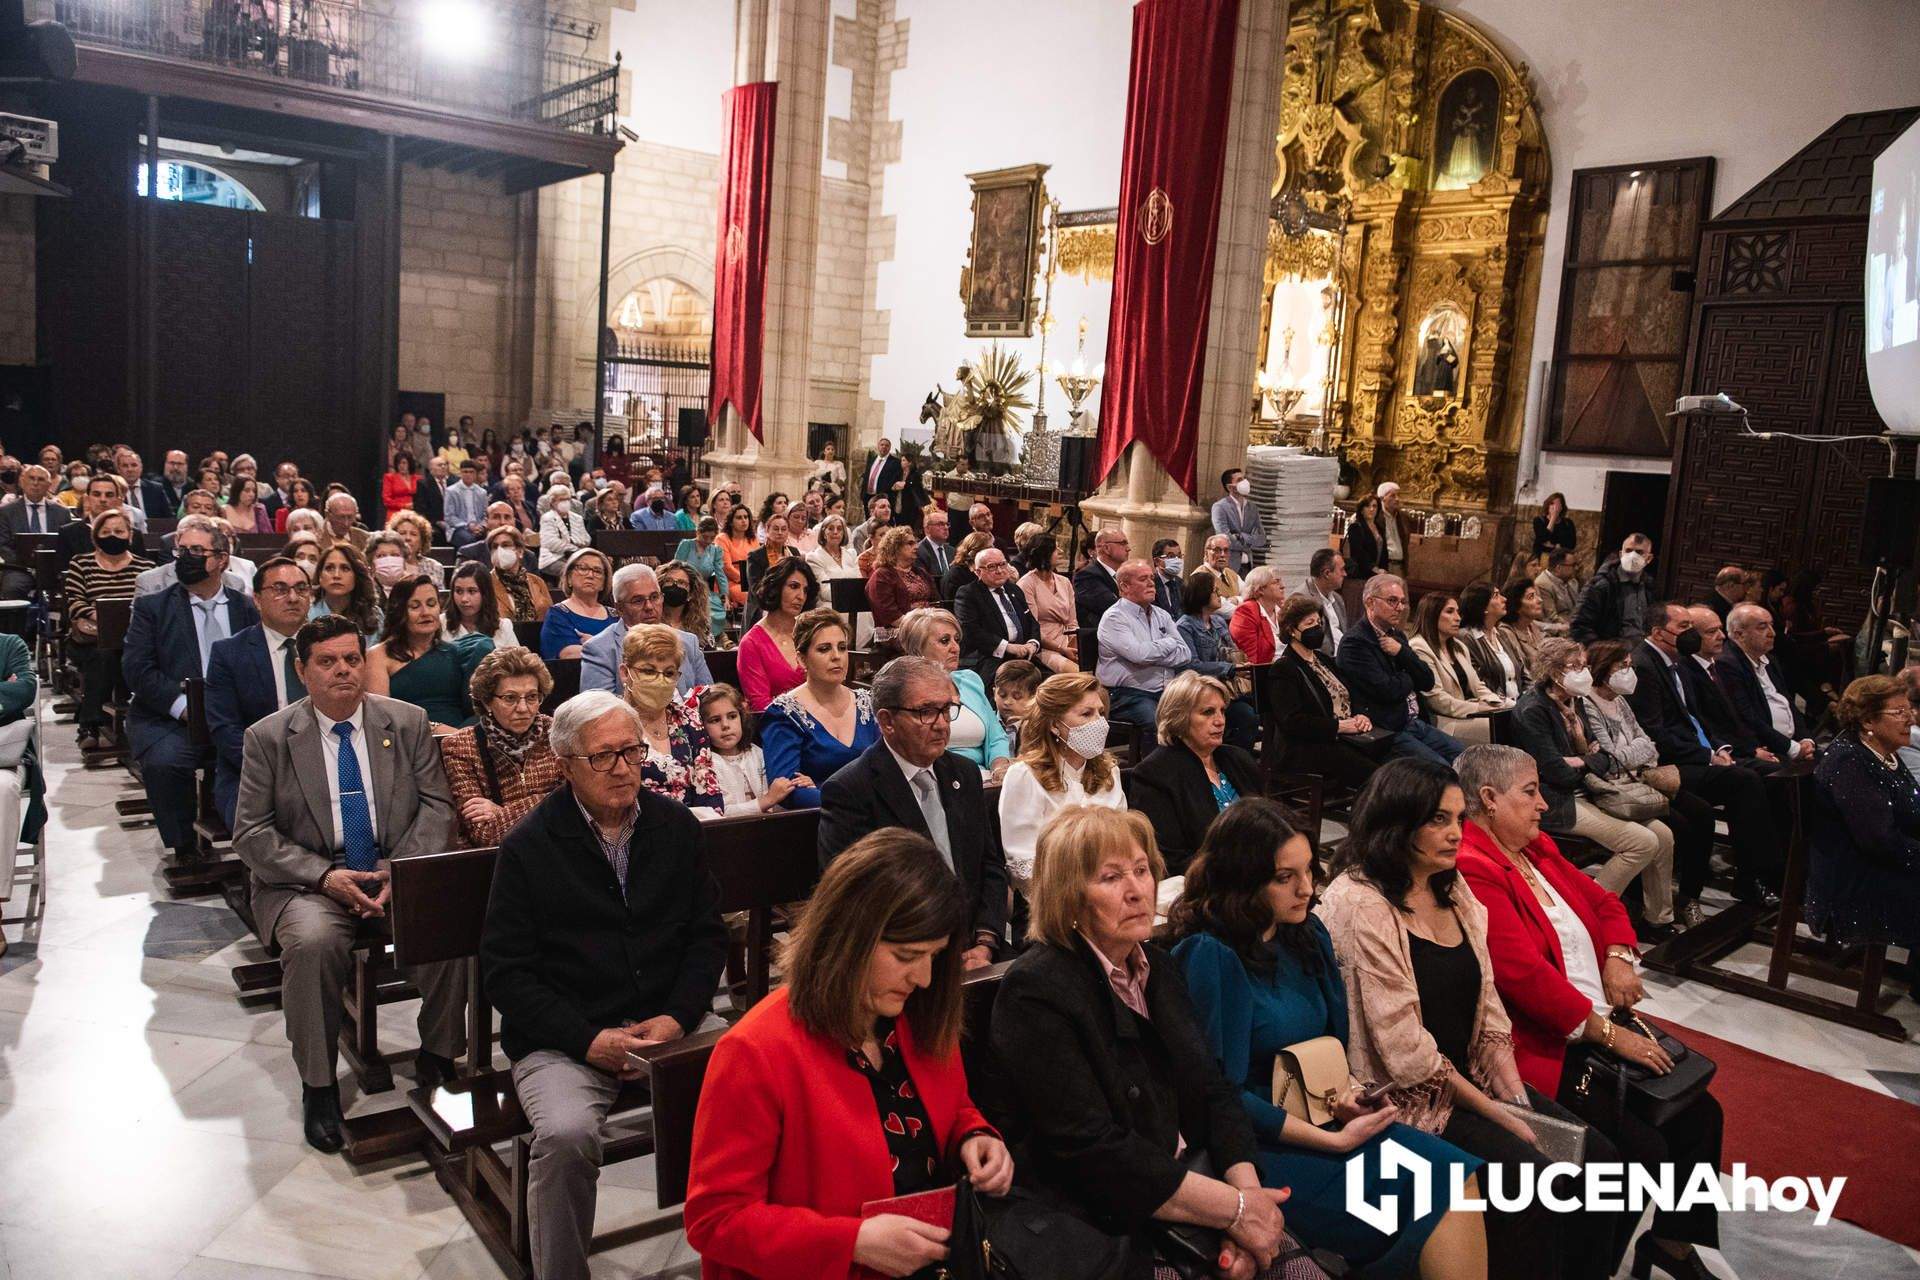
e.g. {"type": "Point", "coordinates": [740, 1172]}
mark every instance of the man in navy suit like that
{"type": "Point", "coordinates": [995, 623]}
{"type": "Point", "coordinates": [169, 639]}
{"type": "Point", "coordinates": [1750, 677]}
{"type": "Point", "coordinates": [1096, 587]}
{"type": "Point", "coordinates": [909, 779]}
{"type": "Point", "coordinates": [251, 674]}
{"type": "Point", "coordinates": [143, 495]}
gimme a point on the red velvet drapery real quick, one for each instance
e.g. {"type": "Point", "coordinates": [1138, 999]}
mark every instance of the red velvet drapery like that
{"type": "Point", "coordinates": [1178, 93]}
{"type": "Point", "coordinates": [740, 253]}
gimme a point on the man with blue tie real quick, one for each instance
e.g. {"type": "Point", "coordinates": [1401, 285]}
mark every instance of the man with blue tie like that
{"type": "Point", "coordinates": [171, 636]}
{"type": "Point", "coordinates": [252, 675]}
{"type": "Point", "coordinates": [331, 789]}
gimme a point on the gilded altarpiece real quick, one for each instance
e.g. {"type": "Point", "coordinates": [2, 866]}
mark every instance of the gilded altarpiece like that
{"type": "Point", "coordinates": [1410, 199]}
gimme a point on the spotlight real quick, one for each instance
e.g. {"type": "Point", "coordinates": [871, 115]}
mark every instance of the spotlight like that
{"type": "Point", "coordinates": [454, 29]}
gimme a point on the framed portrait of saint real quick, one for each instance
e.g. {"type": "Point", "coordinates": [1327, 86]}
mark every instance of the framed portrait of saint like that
{"type": "Point", "coordinates": [1626, 295]}
{"type": "Point", "coordinates": [1440, 352]}
{"type": "Point", "coordinates": [1464, 130]}
{"type": "Point", "coordinates": [996, 286]}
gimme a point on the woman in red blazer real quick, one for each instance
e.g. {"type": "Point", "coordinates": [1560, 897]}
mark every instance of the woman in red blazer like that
{"type": "Point", "coordinates": [1254, 619]}
{"type": "Point", "coordinates": [846, 1085]}
{"type": "Point", "coordinates": [1560, 992]}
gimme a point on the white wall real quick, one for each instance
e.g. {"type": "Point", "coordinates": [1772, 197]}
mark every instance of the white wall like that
{"type": "Point", "coordinates": [987, 85]}
{"type": "Point", "coordinates": [1747, 83]}
{"type": "Point", "coordinates": [679, 60]}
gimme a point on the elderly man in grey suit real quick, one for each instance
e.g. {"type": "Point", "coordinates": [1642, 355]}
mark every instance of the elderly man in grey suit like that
{"type": "Point", "coordinates": [1236, 516]}
{"type": "Point", "coordinates": [637, 599]}
{"type": "Point", "coordinates": [331, 788]}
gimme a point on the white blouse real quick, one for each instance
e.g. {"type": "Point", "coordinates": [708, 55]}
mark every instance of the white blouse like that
{"type": "Point", "coordinates": [743, 780]}
{"type": "Point", "coordinates": [1576, 948]}
{"type": "Point", "coordinates": [1025, 807]}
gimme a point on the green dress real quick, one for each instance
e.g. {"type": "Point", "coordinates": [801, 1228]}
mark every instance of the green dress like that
{"type": "Point", "coordinates": [436, 681]}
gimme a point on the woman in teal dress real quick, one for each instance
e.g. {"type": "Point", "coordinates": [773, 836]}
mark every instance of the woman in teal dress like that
{"type": "Point", "coordinates": [977, 734]}
{"type": "Point", "coordinates": [1261, 970]}
{"type": "Point", "coordinates": [703, 552]}
{"type": "Point", "coordinates": [415, 662]}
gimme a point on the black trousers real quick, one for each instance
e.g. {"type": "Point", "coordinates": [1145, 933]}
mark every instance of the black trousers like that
{"type": "Point", "coordinates": [99, 677]}
{"type": "Point", "coordinates": [1739, 794]}
{"type": "Point", "coordinates": [1690, 818]}
{"type": "Point", "coordinates": [1536, 1243]}
{"type": "Point", "coordinates": [1689, 1139]}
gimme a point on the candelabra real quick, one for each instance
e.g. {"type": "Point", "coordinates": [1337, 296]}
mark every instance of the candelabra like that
{"type": "Point", "coordinates": [1076, 382]}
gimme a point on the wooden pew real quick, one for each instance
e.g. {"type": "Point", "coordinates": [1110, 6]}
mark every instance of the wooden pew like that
{"type": "Point", "coordinates": [723, 665]}
{"type": "Point", "coordinates": [566, 682]}
{"type": "Point", "coordinates": [208, 873]}
{"type": "Point", "coordinates": [112, 617]}
{"type": "Point", "coordinates": [651, 545]}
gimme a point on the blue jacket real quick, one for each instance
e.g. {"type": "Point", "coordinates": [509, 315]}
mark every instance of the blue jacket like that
{"type": "Point", "coordinates": [240, 691]}
{"type": "Point", "coordinates": [1381, 685]}
{"type": "Point", "coordinates": [162, 649]}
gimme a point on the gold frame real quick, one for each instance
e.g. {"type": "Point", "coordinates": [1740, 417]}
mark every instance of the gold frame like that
{"type": "Point", "coordinates": [984, 320]}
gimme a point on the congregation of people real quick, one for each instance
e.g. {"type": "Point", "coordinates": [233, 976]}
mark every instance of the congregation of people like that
{"type": "Point", "coordinates": [1073, 765]}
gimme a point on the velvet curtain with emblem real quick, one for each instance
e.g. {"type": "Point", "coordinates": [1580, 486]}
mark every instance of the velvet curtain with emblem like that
{"type": "Point", "coordinates": [740, 253]}
{"type": "Point", "coordinates": [1172, 171]}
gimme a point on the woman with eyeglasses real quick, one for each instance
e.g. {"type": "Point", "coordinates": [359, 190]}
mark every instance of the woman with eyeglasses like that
{"type": "Point", "coordinates": [678, 764]}
{"type": "Point", "coordinates": [1863, 877]}
{"type": "Point", "coordinates": [104, 573]}
{"type": "Point", "coordinates": [584, 613]}
{"type": "Point", "coordinates": [502, 765]}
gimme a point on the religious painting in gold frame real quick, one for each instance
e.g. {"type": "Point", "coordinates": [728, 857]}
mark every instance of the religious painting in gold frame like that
{"type": "Point", "coordinates": [1440, 352]}
{"type": "Point", "coordinates": [996, 287]}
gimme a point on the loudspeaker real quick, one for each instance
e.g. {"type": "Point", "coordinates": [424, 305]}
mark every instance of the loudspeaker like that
{"type": "Point", "coordinates": [1892, 522]}
{"type": "Point", "coordinates": [693, 426]}
{"type": "Point", "coordinates": [1076, 460]}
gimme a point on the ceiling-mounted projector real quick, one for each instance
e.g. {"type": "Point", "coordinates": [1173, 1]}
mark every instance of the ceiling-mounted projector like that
{"type": "Point", "coordinates": [1720, 402]}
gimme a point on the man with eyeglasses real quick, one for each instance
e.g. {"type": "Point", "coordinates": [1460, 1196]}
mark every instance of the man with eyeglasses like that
{"type": "Point", "coordinates": [603, 936]}
{"type": "Point", "coordinates": [1097, 586]}
{"type": "Point", "coordinates": [909, 779]}
{"type": "Point", "coordinates": [637, 599]}
{"type": "Point", "coordinates": [1384, 674]}
{"type": "Point", "coordinates": [331, 789]}
{"type": "Point", "coordinates": [251, 674]}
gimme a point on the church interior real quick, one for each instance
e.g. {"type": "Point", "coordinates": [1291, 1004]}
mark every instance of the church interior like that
{"type": "Point", "coordinates": [1518, 399]}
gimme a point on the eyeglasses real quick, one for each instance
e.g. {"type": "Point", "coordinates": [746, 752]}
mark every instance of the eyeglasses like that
{"type": "Point", "coordinates": [518, 699]}
{"type": "Point", "coordinates": [285, 590]}
{"type": "Point", "coordinates": [1902, 710]}
{"type": "Point", "coordinates": [931, 714]}
{"type": "Point", "coordinates": [602, 761]}
{"type": "Point", "coordinates": [655, 671]}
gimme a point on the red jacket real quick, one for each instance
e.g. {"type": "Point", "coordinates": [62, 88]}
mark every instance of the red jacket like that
{"type": "Point", "coordinates": [1249, 629]}
{"type": "Point", "coordinates": [1528, 969]}
{"type": "Point", "coordinates": [396, 492]}
{"type": "Point", "coordinates": [787, 1146]}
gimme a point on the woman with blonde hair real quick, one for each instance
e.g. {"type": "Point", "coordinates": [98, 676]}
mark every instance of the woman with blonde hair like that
{"type": "Point", "coordinates": [416, 535]}
{"type": "Point", "coordinates": [1063, 762]}
{"type": "Point", "coordinates": [677, 763]}
{"type": "Point", "coordinates": [811, 731]}
{"type": "Point", "coordinates": [897, 586]}
{"type": "Point", "coordinates": [977, 732]}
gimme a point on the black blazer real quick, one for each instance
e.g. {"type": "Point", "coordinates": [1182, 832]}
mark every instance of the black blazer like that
{"type": "Point", "coordinates": [1299, 703]}
{"type": "Point", "coordinates": [956, 579]}
{"type": "Point", "coordinates": [1541, 732]}
{"type": "Point", "coordinates": [567, 952]}
{"type": "Point", "coordinates": [153, 499]}
{"type": "Point", "coordinates": [1739, 681]}
{"type": "Point", "coordinates": [1094, 591]}
{"type": "Point", "coordinates": [430, 500]}
{"type": "Point", "coordinates": [1722, 723]}
{"type": "Point", "coordinates": [870, 792]}
{"type": "Point", "coordinates": [1097, 1097]}
{"type": "Point", "coordinates": [1657, 706]}
{"type": "Point", "coordinates": [933, 564]}
{"type": "Point", "coordinates": [1366, 550]}
{"type": "Point", "coordinates": [1561, 534]}
{"type": "Point", "coordinates": [177, 493]}
{"type": "Point", "coordinates": [983, 627]}
{"type": "Point", "coordinates": [1378, 684]}
{"type": "Point", "coordinates": [889, 472]}
{"type": "Point", "coordinates": [1171, 788]}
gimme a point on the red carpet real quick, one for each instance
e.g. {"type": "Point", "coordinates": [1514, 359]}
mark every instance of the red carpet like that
{"type": "Point", "coordinates": [1784, 1120]}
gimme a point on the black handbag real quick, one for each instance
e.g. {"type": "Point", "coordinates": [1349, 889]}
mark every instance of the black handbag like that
{"type": "Point", "coordinates": [1629, 1086]}
{"type": "Point", "coordinates": [1021, 1236]}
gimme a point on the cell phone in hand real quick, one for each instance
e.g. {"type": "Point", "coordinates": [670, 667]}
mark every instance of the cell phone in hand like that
{"type": "Point", "coordinates": [1372, 1099]}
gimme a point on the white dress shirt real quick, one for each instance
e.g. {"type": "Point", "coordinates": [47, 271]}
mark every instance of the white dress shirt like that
{"type": "Point", "coordinates": [37, 512]}
{"type": "Point", "coordinates": [1006, 617]}
{"type": "Point", "coordinates": [1025, 807]}
{"type": "Point", "coordinates": [330, 749]}
{"type": "Point", "coordinates": [1779, 710]}
{"type": "Point", "coordinates": [1576, 948]}
{"type": "Point", "coordinates": [277, 647]}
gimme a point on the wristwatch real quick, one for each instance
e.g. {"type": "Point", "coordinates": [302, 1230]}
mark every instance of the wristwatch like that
{"type": "Point", "coordinates": [1622, 952]}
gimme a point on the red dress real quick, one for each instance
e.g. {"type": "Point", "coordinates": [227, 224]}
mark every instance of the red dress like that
{"type": "Point", "coordinates": [396, 492]}
{"type": "Point", "coordinates": [787, 1145]}
{"type": "Point", "coordinates": [1528, 969]}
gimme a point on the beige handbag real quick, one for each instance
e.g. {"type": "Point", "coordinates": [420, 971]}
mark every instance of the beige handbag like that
{"type": "Point", "coordinates": [1308, 1076]}
{"type": "Point", "coordinates": [1664, 778]}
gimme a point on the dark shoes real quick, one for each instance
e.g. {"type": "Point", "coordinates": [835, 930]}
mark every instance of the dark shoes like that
{"type": "Point", "coordinates": [1756, 893]}
{"type": "Point", "coordinates": [432, 1070]}
{"type": "Point", "coordinates": [1649, 1257]}
{"type": "Point", "coordinates": [323, 1119]}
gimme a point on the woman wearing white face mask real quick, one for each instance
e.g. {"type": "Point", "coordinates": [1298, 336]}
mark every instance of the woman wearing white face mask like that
{"type": "Point", "coordinates": [1635, 757]}
{"type": "Point", "coordinates": [1550, 724]}
{"type": "Point", "coordinates": [1063, 761]}
{"type": "Point", "coordinates": [563, 530]}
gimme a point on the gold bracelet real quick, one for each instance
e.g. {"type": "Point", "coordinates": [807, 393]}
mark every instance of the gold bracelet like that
{"type": "Point", "coordinates": [1606, 1041]}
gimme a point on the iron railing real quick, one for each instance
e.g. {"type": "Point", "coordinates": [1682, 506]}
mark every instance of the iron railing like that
{"type": "Point", "coordinates": [650, 381]}
{"type": "Point", "coordinates": [352, 49]}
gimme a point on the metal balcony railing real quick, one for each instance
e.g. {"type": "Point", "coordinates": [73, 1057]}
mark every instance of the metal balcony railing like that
{"type": "Point", "coordinates": [339, 44]}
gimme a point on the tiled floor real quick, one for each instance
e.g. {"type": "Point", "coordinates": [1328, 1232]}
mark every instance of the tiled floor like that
{"type": "Point", "coordinates": [149, 1125]}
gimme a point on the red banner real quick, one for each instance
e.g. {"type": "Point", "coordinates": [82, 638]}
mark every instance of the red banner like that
{"type": "Point", "coordinates": [1172, 167]}
{"type": "Point", "coordinates": [740, 253]}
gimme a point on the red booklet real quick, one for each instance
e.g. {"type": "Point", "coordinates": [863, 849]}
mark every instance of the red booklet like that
{"type": "Point", "coordinates": [935, 1208]}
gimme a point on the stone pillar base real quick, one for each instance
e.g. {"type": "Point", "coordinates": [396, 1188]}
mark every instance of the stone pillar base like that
{"type": "Point", "coordinates": [758, 472]}
{"type": "Point", "coordinates": [1143, 501]}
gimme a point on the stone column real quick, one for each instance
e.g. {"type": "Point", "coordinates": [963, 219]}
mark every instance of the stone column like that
{"type": "Point", "coordinates": [1139, 495]}
{"type": "Point", "coordinates": [784, 41]}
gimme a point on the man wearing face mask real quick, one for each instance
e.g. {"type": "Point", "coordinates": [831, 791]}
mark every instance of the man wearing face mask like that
{"type": "Point", "coordinates": [654, 512]}
{"type": "Point", "coordinates": [637, 597]}
{"type": "Point", "coordinates": [1235, 516]}
{"type": "Point", "coordinates": [237, 576]}
{"type": "Point", "coordinates": [521, 594]}
{"type": "Point", "coordinates": [1167, 568]}
{"type": "Point", "coordinates": [1615, 603]}
{"type": "Point", "coordinates": [170, 638]}
{"type": "Point", "coordinates": [1663, 700]}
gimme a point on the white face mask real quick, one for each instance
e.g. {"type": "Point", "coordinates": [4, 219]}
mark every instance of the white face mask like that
{"type": "Point", "coordinates": [560, 505]}
{"type": "Point", "coordinates": [1242, 487]}
{"type": "Point", "coordinates": [1087, 740]}
{"type": "Point", "coordinates": [1632, 561]}
{"type": "Point", "coordinates": [1624, 681]}
{"type": "Point", "coordinates": [1578, 683]}
{"type": "Point", "coordinates": [506, 558]}
{"type": "Point", "coordinates": [388, 566]}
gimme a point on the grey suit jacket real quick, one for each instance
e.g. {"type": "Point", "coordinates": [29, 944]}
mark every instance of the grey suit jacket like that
{"type": "Point", "coordinates": [283, 821]}
{"type": "Point", "coordinates": [600, 660]}
{"type": "Point", "coordinates": [14, 516]}
{"type": "Point", "coordinates": [1246, 536]}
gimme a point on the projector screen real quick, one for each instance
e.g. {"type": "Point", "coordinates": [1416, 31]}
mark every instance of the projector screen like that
{"type": "Point", "coordinates": [1893, 284]}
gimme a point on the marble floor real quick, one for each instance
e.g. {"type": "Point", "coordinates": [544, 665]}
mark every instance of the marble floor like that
{"type": "Point", "coordinates": [149, 1124]}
